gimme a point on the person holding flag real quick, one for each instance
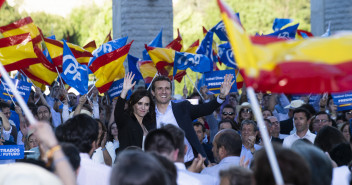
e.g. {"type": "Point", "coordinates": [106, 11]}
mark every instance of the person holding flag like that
{"type": "Point", "coordinates": [139, 118]}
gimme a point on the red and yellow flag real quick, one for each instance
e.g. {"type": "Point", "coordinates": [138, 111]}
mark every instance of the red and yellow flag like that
{"type": "Point", "coordinates": [17, 52]}
{"type": "Point", "coordinates": [22, 26]}
{"type": "Point", "coordinates": [107, 38]}
{"type": "Point", "coordinates": [147, 69]}
{"type": "Point", "coordinates": [91, 46]}
{"type": "Point", "coordinates": [163, 59]}
{"type": "Point", "coordinates": [313, 65]}
{"type": "Point", "coordinates": [109, 67]}
{"type": "Point", "coordinates": [55, 49]}
{"type": "Point", "coordinates": [193, 48]}
{"type": "Point", "coordinates": [176, 44]}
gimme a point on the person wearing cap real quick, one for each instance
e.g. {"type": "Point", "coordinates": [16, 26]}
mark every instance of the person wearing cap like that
{"type": "Point", "coordinates": [244, 112]}
{"type": "Point", "coordinates": [287, 125]}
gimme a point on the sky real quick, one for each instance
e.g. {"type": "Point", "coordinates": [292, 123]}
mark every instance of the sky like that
{"type": "Point", "coordinates": [58, 7]}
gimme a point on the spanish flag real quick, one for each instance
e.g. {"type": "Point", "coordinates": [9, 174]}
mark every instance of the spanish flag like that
{"type": "Point", "coordinates": [22, 26]}
{"type": "Point", "coordinates": [17, 52]}
{"type": "Point", "coordinates": [55, 49]}
{"type": "Point", "coordinates": [41, 74]}
{"type": "Point", "coordinates": [313, 65]}
{"type": "Point", "coordinates": [176, 44]}
{"type": "Point", "coordinates": [163, 59]}
{"type": "Point", "coordinates": [109, 67]}
{"type": "Point", "coordinates": [148, 70]}
{"type": "Point", "coordinates": [193, 48]}
{"type": "Point", "coordinates": [301, 33]}
{"type": "Point", "coordinates": [107, 38]}
{"type": "Point", "coordinates": [91, 46]}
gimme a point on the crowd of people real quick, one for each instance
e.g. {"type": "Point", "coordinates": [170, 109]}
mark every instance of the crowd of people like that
{"type": "Point", "coordinates": [148, 138]}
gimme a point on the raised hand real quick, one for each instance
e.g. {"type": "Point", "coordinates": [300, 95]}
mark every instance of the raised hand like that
{"type": "Point", "coordinates": [226, 86]}
{"type": "Point", "coordinates": [127, 84]}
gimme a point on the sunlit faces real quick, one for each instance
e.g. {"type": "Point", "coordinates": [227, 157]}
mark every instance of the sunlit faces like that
{"type": "Point", "coordinates": [162, 92]}
{"type": "Point", "coordinates": [199, 132]}
{"type": "Point", "coordinates": [141, 108]}
{"type": "Point", "coordinates": [266, 114]}
{"type": "Point", "coordinates": [275, 126]}
{"type": "Point", "coordinates": [43, 113]}
{"type": "Point", "coordinates": [248, 130]}
{"type": "Point", "coordinates": [321, 120]}
{"type": "Point", "coordinates": [346, 132]}
{"type": "Point", "coordinates": [225, 125]}
{"type": "Point", "coordinates": [246, 113]}
{"type": "Point", "coordinates": [32, 141]}
{"type": "Point", "coordinates": [7, 112]}
{"type": "Point", "coordinates": [301, 122]}
{"type": "Point", "coordinates": [228, 113]}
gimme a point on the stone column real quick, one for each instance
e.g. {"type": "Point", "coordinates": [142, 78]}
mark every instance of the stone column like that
{"type": "Point", "coordinates": [141, 21]}
{"type": "Point", "coordinates": [337, 12]}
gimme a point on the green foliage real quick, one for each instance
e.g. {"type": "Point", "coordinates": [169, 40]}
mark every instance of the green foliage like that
{"type": "Point", "coordinates": [8, 14]}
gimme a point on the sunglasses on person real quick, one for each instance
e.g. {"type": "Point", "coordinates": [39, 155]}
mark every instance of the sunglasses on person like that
{"type": "Point", "coordinates": [247, 110]}
{"type": "Point", "coordinates": [227, 113]}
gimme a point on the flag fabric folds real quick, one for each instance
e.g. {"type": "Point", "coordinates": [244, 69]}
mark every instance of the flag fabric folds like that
{"type": "Point", "coordinates": [55, 49]}
{"type": "Point", "coordinates": [22, 26]}
{"type": "Point", "coordinates": [107, 38]}
{"type": "Point", "coordinates": [286, 33]}
{"type": "Point", "coordinates": [148, 70]}
{"type": "Point", "coordinates": [109, 66]}
{"type": "Point", "coordinates": [312, 65]}
{"type": "Point", "coordinates": [17, 52]}
{"type": "Point", "coordinates": [73, 73]}
{"type": "Point", "coordinates": [279, 23]}
{"type": "Point", "coordinates": [176, 44]}
{"type": "Point", "coordinates": [163, 58]}
{"type": "Point", "coordinates": [132, 67]}
{"type": "Point", "coordinates": [193, 48]}
{"type": "Point", "coordinates": [196, 62]}
{"type": "Point", "coordinates": [156, 42]}
{"type": "Point", "coordinates": [219, 30]}
{"type": "Point", "coordinates": [91, 46]}
{"type": "Point", "coordinates": [226, 55]}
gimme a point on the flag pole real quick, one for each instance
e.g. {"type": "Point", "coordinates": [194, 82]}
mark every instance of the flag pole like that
{"type": "Point", "coordinates": [62, 83]}
{"type": "Point", "coordinates": [156, 74]}
{"type": "Point", "coordinates": [195, 87]}
{"type": "Point", "coordinates": [17, 95]}
{"type": "Point", "coordinates": [7, 92]}
{"type": "Point", "coordinates": [265, 136]}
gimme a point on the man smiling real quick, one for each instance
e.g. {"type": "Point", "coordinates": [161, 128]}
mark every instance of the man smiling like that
{"type": "Point", "coordinates": [182, 114]}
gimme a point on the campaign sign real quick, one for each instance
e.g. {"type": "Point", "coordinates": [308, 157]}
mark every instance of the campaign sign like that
{"type": "Point", "coordinates": [11, 152]}
{"type": "Point", "coordinates": [214, 79]}
{"type": "Point", "coordinates": [24, 88]}
{"type": "Point", "coordinates": [343, 101]}
{"type": "Point", "coordinates": [116, 89]}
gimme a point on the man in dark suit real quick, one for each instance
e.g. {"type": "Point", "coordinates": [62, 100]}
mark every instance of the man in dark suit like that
{"type": "Point", "coordinates": [183, 113]}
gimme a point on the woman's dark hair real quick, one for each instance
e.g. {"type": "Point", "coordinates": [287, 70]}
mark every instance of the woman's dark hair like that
{"type": "Point", "coordinates": [135, 97]}
{"type": "Point", "coordinates": [328, 137]}
{"type": "Point", "coordinates": [110, 136]}
{"type": "Point", "coordinates": [80, 130]}
{"type": "Point", "coordinates": [138, 168]}
{"type": "Point", "coordinates": [103, 128]}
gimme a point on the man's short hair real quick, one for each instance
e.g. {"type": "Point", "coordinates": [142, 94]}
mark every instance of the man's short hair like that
{"type": "Point", "coordinates": [232, 123]}
{"type": "Point", "coordinates": [230, 140]}
{"type": "Point", "coordinates": [238, 175]}
{"type": "Point", "coordinates": [80, 130]}
{"type": "Point", "coordinates": [160, 141]}
{"type": "Point", "coordinates": [4, 105]}
{"type": "Point", "coordinates": [161, 78]}
{"type": "Point", "coordinates": [305, 111]}
{"type": "Point", "coordinates": [229, 106]}
{"type": "Point", "coordinates": [72, 154]}
{"type": "Point", "coordinates": [293, 167]}
{"type": "Point", "coordinates": [179, 138]}
{"type": "Point", "coordinates": [249, 122]}
{"type": "Point", "coordinates": [198, 124]}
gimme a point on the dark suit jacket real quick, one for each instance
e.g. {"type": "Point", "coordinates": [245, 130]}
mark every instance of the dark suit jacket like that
{"type": "Point", "coordinates": [130, 132]}
{"type": "Point", "coordinates": [286, 126]}
{"type": "Point", "coordinates": [185, 113]}
{"type": "Point", "coordinates": [277, 140]}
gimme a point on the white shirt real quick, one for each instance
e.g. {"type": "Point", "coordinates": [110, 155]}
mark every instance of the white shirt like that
{"type": "Point", "coordinates": [203, 178]}
{"type": "Point", "coordinates": [224, 164]}
{"type": "Point", "coordinates": [289, 140]}
{"type": "Point", "coordinates": [184, 178]}
{"type": "Point", "coordinates": [19, 138]}
{"type": "Point", "coordinates": [98, 156]}
{"type": "Point", "coordinates": [91, 173]}
{"type": "Point", "coordinates": [169, 118]}
{"type": "Point", "coordinates": [341, 176]}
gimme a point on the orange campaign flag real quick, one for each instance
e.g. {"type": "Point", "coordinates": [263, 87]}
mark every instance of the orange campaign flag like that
{"type": "Point", "coordinates": [17, 52]}
{"type": "Point", "coordinates": [147, 69]}
{"type": "Point", "coordinates": [109, 67]}
{"type": "Point", "coordinates": [25, 25]}
{"type": "Point", "coordinates": [163, 59]}
{"type": "Point", "coordinates": [91, 46]}
{"type": "Point", "coordinates": [55, 49]}
{"type": "Point", "coordinates": [193, 48]}
{"type": "Point", "coordinates": [312, 65]}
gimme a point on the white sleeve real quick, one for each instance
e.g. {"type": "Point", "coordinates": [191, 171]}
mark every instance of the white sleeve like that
{"type": "Point", "coordinates": [65, 113]}
{"type": "Point", "coordinates": [95, 109]}
{"type": "Point", "coordinates": [6, 134]}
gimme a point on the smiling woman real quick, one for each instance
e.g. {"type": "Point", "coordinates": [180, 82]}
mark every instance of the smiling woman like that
{"type": "Point", "coordinates": [135, 122]}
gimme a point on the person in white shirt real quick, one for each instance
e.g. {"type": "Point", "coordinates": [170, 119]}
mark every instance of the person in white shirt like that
{"type": "Point", "coordinates": [227, 146]}
{"type": "Point", "coordinates": [301, 120]}
{"type": "Point", "coordinates": [82, 131]}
